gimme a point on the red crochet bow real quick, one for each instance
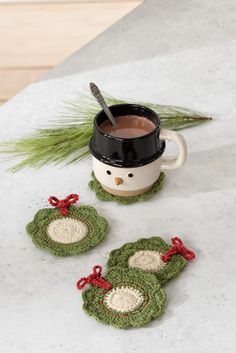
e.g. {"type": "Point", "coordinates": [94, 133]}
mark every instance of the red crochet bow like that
{"type": "Point", "coordinates": [178, 248]}
{"type": "Point", "coordinates": [95, 279]}
{"type": "Point", "coordinates": [63, 205]}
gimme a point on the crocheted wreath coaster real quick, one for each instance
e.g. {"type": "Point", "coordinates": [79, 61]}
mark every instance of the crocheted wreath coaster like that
{"type": "Point", "coordinates": [153, 255]}
{"type": "Point", "coordinates": [67, 230]}
{"type": "Point", "coordinates": [123, 298]}
{"type": "Point", "coordinates": [105, 196]}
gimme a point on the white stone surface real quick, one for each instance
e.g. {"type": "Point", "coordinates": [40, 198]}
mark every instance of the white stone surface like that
{"type": "Point", "coordinates": [155, 28]}
{"type": "Point", "coordinates": [40, 305]}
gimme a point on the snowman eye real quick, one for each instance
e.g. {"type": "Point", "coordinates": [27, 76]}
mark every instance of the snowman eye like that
{"type": "Point", "coordinates": [108, 172]}
{"type": "Point", "coordinates": [130, 175]}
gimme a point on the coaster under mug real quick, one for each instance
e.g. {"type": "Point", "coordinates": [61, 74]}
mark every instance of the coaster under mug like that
{"type": "Point", "coordinates": [103, 195]}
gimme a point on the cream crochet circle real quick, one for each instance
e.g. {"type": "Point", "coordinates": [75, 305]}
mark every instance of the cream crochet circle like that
{"type": "Point", "coordinates": [67, 230]}
{"type": "Point", "coordinates": [147, 260]}
{"type": "Point", "coordinates": [124, 299]}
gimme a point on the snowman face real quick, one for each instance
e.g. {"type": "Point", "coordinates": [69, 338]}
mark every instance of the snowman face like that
{"type": "Point", "coordinates": [127, 179]}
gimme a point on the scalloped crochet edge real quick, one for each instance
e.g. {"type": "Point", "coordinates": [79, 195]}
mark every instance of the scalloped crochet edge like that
{"type": "Point", "coordinates": [120, 256]}
{"type": "Point", "coordinates": [98, 226]}
{"type": "Point", "coordinates": [148, 285]}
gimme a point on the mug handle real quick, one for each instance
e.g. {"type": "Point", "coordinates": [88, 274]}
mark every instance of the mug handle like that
{"type": "Point", "coordinates": [173, 163]}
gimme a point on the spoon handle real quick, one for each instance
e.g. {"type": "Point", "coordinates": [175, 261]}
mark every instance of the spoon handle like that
{"type": "Point", "coordinates": [97, 94]}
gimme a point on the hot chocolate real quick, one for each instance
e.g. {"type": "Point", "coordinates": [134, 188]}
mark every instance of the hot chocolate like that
{"type": "Point", "coordinates": [128, 126]}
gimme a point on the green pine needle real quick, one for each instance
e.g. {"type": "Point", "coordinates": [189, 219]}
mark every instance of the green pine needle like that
{"type": "Point", "coordinates": [68, 141]}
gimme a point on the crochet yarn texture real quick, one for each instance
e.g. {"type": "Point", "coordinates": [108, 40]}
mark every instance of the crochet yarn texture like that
{"type": "Point", "coordinates": [81, 229]}
{"type": "Point", "coordinates": [134, 299]}
{"type": "Point", "coordinates": [105, 196]}
{"type": "Point", "coordinates": [145, 254]}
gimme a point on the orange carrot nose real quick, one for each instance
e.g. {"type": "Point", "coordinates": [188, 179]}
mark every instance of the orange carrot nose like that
{"type": "Point", "coordinates": [118, 180]}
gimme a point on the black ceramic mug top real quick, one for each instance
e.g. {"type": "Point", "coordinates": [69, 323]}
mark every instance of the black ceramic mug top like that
{"type": "Point", "coordinates": [126, 152]}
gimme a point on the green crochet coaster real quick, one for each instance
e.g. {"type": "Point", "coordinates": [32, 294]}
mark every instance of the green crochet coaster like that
{"type": "Point", "coordinates": [105, 196]}
{"type": "Point", "coordinates": [123, 297]}
{"type": "Point", "coordinates": [147, 255]}
{"type": "Point", "coordinates": [74, 232]}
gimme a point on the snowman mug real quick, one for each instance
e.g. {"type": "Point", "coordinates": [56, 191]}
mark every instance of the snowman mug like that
{"type": "Point", "coordinates": [129, 166]}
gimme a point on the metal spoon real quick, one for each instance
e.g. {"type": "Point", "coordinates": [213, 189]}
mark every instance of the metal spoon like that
{"type": "Point", "coordinates": [97, 94]}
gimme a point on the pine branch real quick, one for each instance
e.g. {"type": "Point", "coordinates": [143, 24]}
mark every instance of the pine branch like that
{"type": "Point", "coordinates": [67, 141]}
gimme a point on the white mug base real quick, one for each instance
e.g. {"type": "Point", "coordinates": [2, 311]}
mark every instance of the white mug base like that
{"type": "Point", "coordinates": [125, 193]}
